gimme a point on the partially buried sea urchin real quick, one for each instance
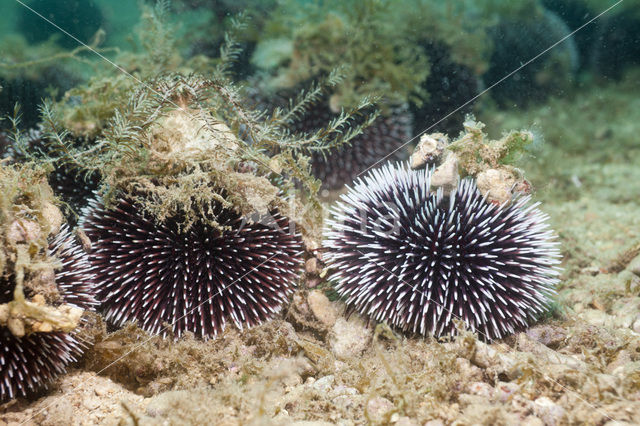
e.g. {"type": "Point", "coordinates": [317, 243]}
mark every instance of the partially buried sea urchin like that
{"type": "Point", "coordinates": [30, 362]}
{"type": "Point", "coordinates": [418, 260]}
{"type": "Point", "coordinates": [190, 280]}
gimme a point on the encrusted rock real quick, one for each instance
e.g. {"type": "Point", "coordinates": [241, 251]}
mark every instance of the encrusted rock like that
{"type": "Point", "coordinates": [429, 150]}
{"type": "Point", "coordinates": [349, 338]}
{"type": "Point", "coordinates": [548, 411]}
{"type": "Point", "coordinates": [532, 421]}
{"type": "Point", "coordinates": [379, 410]}
{"type": "Point", "coordinates": [497, 184]}
{"type": "Point", "coordinates": [548, 335]}
{"type": "Point", "coordinates": [322, 308]}
{"type": "Point", "coordinates": [467, 370]}
{"type": "Point", "coordinates": [21, 231]}
{"type": "Point", "coordinates": [323, 384]}
{"type": "Point", "coordinates": [505, 391]}
{"type": "Point", "coordinates": [52, 216]}
{"type": "Point", "coordinates": [405, 421]}
{"type": "Point", "coordinates": [446, 175]}
{"type": "Point", "coordinates": [480, 389]}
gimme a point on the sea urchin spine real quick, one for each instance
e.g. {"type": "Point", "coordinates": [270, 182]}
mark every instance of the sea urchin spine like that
{"type": "Point", "coordinates": [404, 254]}
{"type": "Point", "coordinates": [30, 362]}
{"type": "Point", "coordinates": [195, 280]}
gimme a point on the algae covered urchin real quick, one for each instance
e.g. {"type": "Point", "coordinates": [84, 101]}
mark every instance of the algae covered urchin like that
{"type": "Point", "coordinates": [45, 284]}
{"type": "Point", "coordinates": [31, 361]}
{"type": "Point", "coordinates": [410, 256]}
{"type": "Point", "coordinates": [184, 237]}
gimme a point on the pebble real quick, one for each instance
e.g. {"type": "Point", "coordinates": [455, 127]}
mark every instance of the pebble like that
{"type": "Point", "coordinates": [379, 409]}
{"type": "Point", "coordinates": [341, 390]}
{"type": "Point", "coordinates": [322, 308]}
{"type": "Point", "coordinates": [548, 411]}
{"type": "Point", "coordinates": [480, 388]}
{"type": "Point", "coordinates": [548, 335]}
{"type": "Point", "coordinates": [349, 339]}
{"type": "Point", "coordinates": [467, 370]}
{"type": "Point", "coordinates": [505, 391]}
{"type": "Point", "coordinates": [405, 421]}
{"type": "Point", "coordinates": [532, 421]}
{"type": "Point", "coordinates": [597, 317]}
{"type": "Point", "coordinates": [324, 384]}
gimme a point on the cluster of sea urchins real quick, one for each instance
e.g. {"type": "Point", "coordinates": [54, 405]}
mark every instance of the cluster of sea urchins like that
{"type": "Point", "coordinates": [171, 280]}
{"type": "Point", "coordinates": [418, 260]}
{"type": "Point", "coordinates": [30, 362]}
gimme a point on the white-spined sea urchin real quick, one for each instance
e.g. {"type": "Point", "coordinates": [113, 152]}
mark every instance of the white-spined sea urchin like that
{"type": "Point", "coordinates": [30, 362]}
{"type": "Point", "coordinates": [404, 254]}
{"type": "Point", "coordinates": [194, 280]}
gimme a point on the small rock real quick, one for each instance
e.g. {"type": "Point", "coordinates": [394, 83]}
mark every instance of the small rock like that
{"type": "Point", "coordinates": [323, 384]}
{"type": "Point", "coordinates": [311, 266]}
{"type": "Point", "coordinates": [91, 403]}
{"type": "Point", "coordinates": [322, 308]}
{"type": "Point", "coordinates": [428, 150]}
{"type": "Point", "coordinates": [349, 338]}
{"type": "Point", "coordinates": [548, 335]}
{"type": "Point", "coordinates": [436, 422]}
{"type": "Point", "coordinates": [446, 175]}
{"type": "Point", "coordinates": [480, 389]}
{"type": "Point", "coordinates": [597, 317]}
{"type": "Point", "coordinates": [532, 421]}
{"type": "Point", "coordinates": [467, 370]}
{"type": "Point", "coordinates": [607, 383]}
{"type": "Point", "coordinates": [379, 409]}
{"type": "Point", "coordinates": [20, 231]}
{"type": "Point", "coordinates": [345, 401]}
{"type": "Point", "coordinates": [52, 216]}
{"type": "Point", "coordinates": [343, 390]}
{"type": "Point", "coordinates": [621, 359]}
{"type": "Point", "coordinates": [406, 421]}
{"type": "Point", "coordinates": [626, 313]}
{"type": "Point", "coordinates": [548, 411]}
{"type": "Point", "coordinates": [504, 391]}
{"type": "Point", "coordinates": [496, 184]}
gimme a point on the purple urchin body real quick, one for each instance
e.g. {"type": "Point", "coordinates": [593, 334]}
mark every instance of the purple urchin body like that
{"type": "Point", "coordinates": [409, 256]}
{"type": "Point", "coordinates": [193, 281]}
{"type": "Point", "coordinates": [384, 137]}
{"type": "Point", "coordinates": [30, 362]}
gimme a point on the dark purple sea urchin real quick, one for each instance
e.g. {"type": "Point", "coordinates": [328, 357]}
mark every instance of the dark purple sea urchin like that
{"type": "Point", "coordinates": [195, 280]}
{"type": "Point", "coordinates": [418, 260]}
{"type": "Point", "coordinates": [383, 137]}
{"type": "Point", "coordinates": [32, 361]}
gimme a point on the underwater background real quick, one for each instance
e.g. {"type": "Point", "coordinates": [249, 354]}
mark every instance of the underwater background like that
{"type": "Point", "coordinates": [187, 117]}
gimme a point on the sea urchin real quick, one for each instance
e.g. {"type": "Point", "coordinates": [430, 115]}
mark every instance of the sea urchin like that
{"type": "Point", "coordinates": [30, 362]}
{"type": "Point", "coordinates": [194, 280]}
{"type": "Point", "coordinates": [407, 255]}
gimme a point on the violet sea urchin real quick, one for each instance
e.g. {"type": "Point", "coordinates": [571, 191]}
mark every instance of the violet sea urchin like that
{"type": "Point", "coordinates": [418, 260]}
{"type": "Point", "coordinates": [194, 280]}
{"type": "Point", "coordinates": [383, 137]}
{"type": "Point", "coordinates": [30, 362]}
